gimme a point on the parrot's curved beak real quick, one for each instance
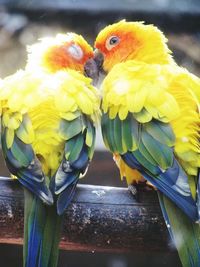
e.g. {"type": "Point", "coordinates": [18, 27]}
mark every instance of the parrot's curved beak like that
{"type": "Point", "coordinates": [93, 67]}
{"type": "Point", "coordinates": [99, 59]}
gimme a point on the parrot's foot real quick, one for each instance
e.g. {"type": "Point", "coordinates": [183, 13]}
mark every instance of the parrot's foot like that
{"type": "Point", "coordinates": [137, 187]}
{"type": "Point", "coordinates": [132, 189]}
{"type": "Point", "coordinates": [134, 192]}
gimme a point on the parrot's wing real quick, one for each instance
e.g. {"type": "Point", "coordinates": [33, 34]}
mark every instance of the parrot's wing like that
{"type": "Point", "coordinates": [16, 137]}
{"type": "Point", "coordinates": [148, 147]}
{"type": "Point", "coordinates": [79, 136]}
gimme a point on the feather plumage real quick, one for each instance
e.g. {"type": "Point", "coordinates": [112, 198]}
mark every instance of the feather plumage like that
{"type": "Point", "coordinates": [145, 89]}
{"type": "Point", "coordinates": [49, 115]}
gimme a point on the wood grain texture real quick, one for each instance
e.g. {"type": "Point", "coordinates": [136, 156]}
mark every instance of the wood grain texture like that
{"type": "Point", "coordinates": [99, 218]}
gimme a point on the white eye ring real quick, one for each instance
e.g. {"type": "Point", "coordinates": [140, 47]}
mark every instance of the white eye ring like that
{"type": "Point", "coordinates": [112, 41]}
{"type": "Point", "coordinates": [75, 51]}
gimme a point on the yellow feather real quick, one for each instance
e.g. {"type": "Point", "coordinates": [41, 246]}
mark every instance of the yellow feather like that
{"type": "Point", "coordinates": [69, 116]}
{"type": "Point", "coordinates": [66, 103]}
{"type": "Point", "coordinates": [9, 137]}
{"type": "Point", "coordinates": [123, 112]}
{"type": "Point", "coordinates": [134, 88]}
{"type": "Point", "coordinates": [132, 176]}
{"type": "Point", "coordinates": [113, 112]}
{"type": "Point", "coordinates": [12, 120]}
{"type": "Point", "coordinates": [46, 98]}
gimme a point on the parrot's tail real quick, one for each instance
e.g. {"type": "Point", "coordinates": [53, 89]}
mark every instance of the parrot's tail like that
{"type": "Point", "coordinates": [184, 233]}
{"type": "Point", "coordinates": [42, 227]}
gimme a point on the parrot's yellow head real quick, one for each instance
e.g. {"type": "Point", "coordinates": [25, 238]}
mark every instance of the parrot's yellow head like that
{"type": "Point", "coordinates": [124, 41]}
{"type": "Point", "coordinates": [65, 51]}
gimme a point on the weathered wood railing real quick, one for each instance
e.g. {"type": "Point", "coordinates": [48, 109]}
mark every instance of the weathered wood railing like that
{"type": "Point", "coordinates": [99, 219]}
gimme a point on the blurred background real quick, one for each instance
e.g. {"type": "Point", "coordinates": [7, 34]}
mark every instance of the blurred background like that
{"type": "Point", "coordinates": [22, 22]}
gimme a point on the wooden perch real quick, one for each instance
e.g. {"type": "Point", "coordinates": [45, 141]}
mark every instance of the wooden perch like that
{"type": "Point", "coordinates": [99, 219]}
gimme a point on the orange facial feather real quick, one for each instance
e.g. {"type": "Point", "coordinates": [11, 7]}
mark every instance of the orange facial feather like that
{"type": "Point", "coordinates": [58, 57]}
{"type": "Point", "coordinates": [136, 42]}
{"type": "Point", "coordinates": [62, 52]}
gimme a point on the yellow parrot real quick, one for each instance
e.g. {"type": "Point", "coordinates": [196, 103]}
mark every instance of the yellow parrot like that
{"type": "Point", "coordinates": [150, 122]}
{"type": "Point", "coordinates": [48, 119]}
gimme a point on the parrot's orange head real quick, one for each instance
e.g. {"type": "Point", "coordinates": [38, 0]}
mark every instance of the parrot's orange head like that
{"type": "Point", "coordinates": [132, 41]}
{"type": "Point", "coordinates": [65, 51]}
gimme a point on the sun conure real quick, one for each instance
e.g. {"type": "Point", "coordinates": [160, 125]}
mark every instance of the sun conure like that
{"type": "Point", "coordinates": [49, 113]}
{"type": "Point", "coordinates": [150, 122]}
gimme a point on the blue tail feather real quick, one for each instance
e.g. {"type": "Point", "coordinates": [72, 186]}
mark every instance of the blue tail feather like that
{"type": "Point", "coordinates": [35, 226]}
{"type": "Point", "coordinates": [41, 233]}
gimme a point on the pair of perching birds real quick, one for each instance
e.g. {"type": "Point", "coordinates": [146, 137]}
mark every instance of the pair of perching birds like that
{"type": "Point", "coordinates": [149, 112]}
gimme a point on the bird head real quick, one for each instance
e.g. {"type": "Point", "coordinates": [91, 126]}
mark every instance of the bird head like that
{"type": "Point", "coordinates": [124, 41]}
{"type": "Point", "coordinates": [65, 51]}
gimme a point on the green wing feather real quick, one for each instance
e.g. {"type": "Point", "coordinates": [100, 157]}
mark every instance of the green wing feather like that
{"type": "Point", "coordinates": [22, 161]}
{"type": "Point", "coordinates": [74, 147]}
{"type": "Point", "coordinates": [118, 134]}
{"type": "Point", "coordinates": [69, 129]}
{"type": "Point", "coordinates": [161, 132]}
{"type": "Point", "coordinates": [126, 135]}
{"type": "Point", "coordinates": [161, 153]}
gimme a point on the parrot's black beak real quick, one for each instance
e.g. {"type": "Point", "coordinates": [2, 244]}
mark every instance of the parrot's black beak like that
{"type": "Point", "coordinates": [99, 59]}
{"type": "Point", "coordinates": [93, 67]}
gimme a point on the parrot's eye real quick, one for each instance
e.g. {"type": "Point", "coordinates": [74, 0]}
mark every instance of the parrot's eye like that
{"type": "Point", "coordinates": [111, 42]}
{"type": "Point", "coordinates": [75, 51]}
